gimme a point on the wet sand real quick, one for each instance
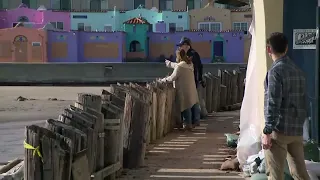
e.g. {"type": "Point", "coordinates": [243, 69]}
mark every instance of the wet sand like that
{"type": "Point", "coordinates": [15, 115]}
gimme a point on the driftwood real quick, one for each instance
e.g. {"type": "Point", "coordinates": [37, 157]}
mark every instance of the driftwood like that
{"type": "Point", "coordinates": [14, 173]}
{"type": "Point", "coordinates": [10, 165]}
{"type": "Point", "coordinates": [94, 102]}
{"type": "Point", "coordinates": [47, 155]}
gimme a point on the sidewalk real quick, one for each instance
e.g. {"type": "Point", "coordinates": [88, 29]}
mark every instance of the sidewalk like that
{"type": "Point", "coordinates": [190, 155]}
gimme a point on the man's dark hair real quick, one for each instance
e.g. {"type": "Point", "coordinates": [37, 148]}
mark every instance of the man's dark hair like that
{"type": "Point", "coordinates": [278, 42]}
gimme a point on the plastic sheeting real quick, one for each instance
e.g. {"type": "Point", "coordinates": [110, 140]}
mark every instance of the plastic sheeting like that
{"type": "Point", "coordinates": [250, 114]}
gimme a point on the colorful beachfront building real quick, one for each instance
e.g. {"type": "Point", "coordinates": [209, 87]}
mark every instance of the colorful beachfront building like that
{"type": "Point", "coordinates": [120, 36]}
{"type": "Point", "coordinates": [34, 18]}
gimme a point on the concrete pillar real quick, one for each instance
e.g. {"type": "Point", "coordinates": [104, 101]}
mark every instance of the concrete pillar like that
{"type": "Point", "coordinates": [268, 18]}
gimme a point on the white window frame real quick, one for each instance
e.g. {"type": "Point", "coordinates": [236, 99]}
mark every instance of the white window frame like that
{"type": "Point", "coordinates": [57, 24]}
{"type": "Point", "coordinates": [36, 43]}
{"type": "Point", "coordinates": [200, 23]}
{"type": "Point", "coordinates": [107, 25]}
{"type": "Point", "coordinates": [86, 26]}
{"type": "Point", "coordinates": [179, 28]}
{"type": "Point", "coordinates": [233, 25]}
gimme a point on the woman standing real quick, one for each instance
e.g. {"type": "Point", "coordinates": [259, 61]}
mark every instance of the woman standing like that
{"type": "Point", "coordinates": [183, 78]}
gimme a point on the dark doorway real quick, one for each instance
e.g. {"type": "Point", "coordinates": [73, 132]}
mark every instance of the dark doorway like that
{"type": "Point", "coordinates": [135, 46]}
{"type": "Point", "coordinates": [218, 48]}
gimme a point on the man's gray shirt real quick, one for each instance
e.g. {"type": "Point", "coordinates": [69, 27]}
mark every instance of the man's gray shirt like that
{"type": "Point", "coordinates": [285, 98]}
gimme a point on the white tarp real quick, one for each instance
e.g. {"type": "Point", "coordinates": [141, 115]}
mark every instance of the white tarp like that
{"type": "Point", "coordinates": [250, 114]}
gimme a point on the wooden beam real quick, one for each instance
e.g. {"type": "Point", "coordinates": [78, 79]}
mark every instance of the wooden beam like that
{"type": "Point", "coordinates": [106, 171]}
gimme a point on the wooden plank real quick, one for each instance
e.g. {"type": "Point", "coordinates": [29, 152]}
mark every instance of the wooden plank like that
{"type": "Point", "coordinates": [118, 90]}
{"type": "Point", "coordinates": [78, 137]}
{"type": "Point", "coordinates": [223, 96]}
{"type": "Point", "coordinates": [10, 165]}
{"type": "Point", "coordinates": [106, 171]}
{"type": "Point", "coordinates": [112, 143]}
{"type": "Point", "coordinates": [215, 93]}
{"type": "Point", "coordinates": [81, 122]}
{"type": "Point", "coordinates": [161, 100]}
{"type": "Point", "coordinates": [108, 96]}
{"type": "Point", "coordinates": [95, 102]}
{"type": "Point", "coordinates": [80, 166]}
{"type": "Point", "coordinates": [137, 132]}
{"type": "Point", "coordinates": [208, 80]}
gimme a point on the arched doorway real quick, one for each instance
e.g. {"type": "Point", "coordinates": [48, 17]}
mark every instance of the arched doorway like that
{"type": "Point", "coordinates": [218, 49]}
{"type": "Point", "coordinates": [20, 43]}
{"type": "Point", "coordinates": [135, 46]}
{"type": "Point", "coordinates": [23, 19]}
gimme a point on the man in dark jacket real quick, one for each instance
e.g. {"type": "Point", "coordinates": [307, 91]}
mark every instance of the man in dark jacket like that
{"type": "Point", "coordinates": [185, 44]}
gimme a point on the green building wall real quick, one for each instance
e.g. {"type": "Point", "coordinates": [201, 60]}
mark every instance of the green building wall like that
{"type": "Point", "coordinates": [140, 35]}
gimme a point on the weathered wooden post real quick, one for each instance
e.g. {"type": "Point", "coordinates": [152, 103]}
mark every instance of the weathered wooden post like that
{"type": "Point", "coordinates": [95, 102]}
{"type": "Point", "coordinates": [161, 100]}
{"type": "Point", "coordinates": [77, 137]}
{"type": "Point", "coordinates": [48, 155]}
{"type": "Point", "coordinates": [241, 85]}
{"type": "Point", "coordinates": [234, 86]}
{"type": "Point", "coordinates": [135, 118]}
{"type": "Point", "coordinates": [208, 92]}
{"type": "Point", "coordinates": [215, 93]}
{"type": "Point", "coordinates": [223, 97]}
{"type": "Point", "coordinates": [83, 121]}
{"type": "Point", "coordinates": [153, 121]}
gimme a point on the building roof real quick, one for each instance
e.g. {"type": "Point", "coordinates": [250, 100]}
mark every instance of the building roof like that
{"type": "Point", "coordinates": [137, 20]}
{"type": "Point", "coordinates": [241, 10]}
{"type": "Point", "coordinates": [237, 3]}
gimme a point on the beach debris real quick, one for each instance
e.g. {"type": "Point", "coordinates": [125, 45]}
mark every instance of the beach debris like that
{"type": "Point", "coordinates": [52, 99]}
{"type": "Point", "coordinates": [230, 164]}
{"type": "Point", "coordinates": [20, 98]}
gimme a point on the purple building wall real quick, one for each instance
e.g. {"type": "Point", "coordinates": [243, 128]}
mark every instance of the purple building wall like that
{"type": "Point", "coordinates": [104, 37]}
{"type": "Point", "coordinates": [76, 41]}
{"type": "Point", "coordinates": [233, 44]}
{"type": "Point", "coordinates": [70, 38]}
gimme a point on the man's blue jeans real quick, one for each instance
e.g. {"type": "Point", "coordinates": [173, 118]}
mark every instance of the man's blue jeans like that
{"type": "Point", "coordinates": [191, 115]}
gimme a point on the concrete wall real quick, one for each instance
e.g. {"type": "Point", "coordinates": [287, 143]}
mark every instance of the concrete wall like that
{"type": "Point", "coordinates": [91, 72]}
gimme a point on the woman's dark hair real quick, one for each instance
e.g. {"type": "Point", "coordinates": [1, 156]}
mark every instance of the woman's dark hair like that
{"type": "Point", "coordinates": [278, 42]}
{"type": "Point", "coordinates": [184, 57]}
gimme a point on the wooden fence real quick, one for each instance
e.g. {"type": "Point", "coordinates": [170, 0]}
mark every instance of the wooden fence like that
{"type": "Point", "coordinates": [100, 135]}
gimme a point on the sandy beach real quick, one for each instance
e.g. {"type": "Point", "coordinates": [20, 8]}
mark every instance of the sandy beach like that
{"type": "Point", "coordinates": [15, 115]}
